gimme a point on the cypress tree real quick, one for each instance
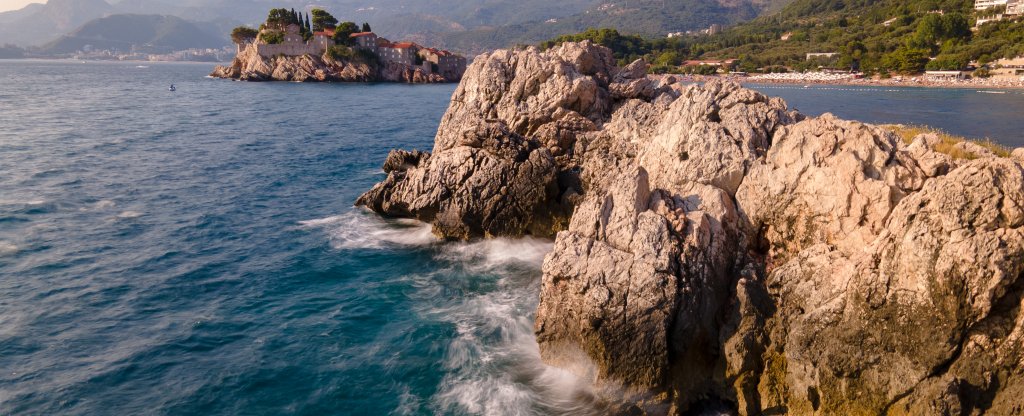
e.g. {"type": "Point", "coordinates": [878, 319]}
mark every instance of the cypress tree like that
{"type": "Point", "coordinates": [307, 22]}
{"type": "Point", "coordinates": [366, 27]}
{"type": "Point", "coordinates": [295, 17]}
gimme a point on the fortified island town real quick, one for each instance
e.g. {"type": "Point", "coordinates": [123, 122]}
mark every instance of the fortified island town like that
{"type": "Point", "coordinates": [291, 46]}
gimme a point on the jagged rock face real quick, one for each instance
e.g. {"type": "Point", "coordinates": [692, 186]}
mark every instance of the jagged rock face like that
{"type": "Point", "coordinates": [490, 190]}
{"type": "Point", "coordinates": [720, 246]}
{"type": "Point", "coordinates": [827, 180]}
{"type": "Point", "coordinates": [248, 65]}
{"type": "Point", "coordinates": [503, 158]}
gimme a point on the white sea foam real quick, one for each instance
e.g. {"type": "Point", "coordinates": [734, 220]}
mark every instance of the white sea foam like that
{"type": "Point", "coordinates": [494, 365]}
{"type": "Point", "coordinates": [408, 403]}
{"type": "Point", "coordinates": [99, 205]}
{"type": "Point", "coordinates": [8, 248]}
{"type": "Point", "coordinates": [358, 229]}
{"type": "Point", "coordinates": [495, 255]}
{"type": "Point", "coordinates": [30, 202]}
{"type": "Point", "coordinates": [127, 215]}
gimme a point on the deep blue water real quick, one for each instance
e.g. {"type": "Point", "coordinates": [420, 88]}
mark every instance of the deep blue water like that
{"type": "Point", "coordinates": [196, 252]}
{"type": "Point", "coordinates": [994, 114]}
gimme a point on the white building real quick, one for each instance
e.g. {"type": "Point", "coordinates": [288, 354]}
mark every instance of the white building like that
{"type": "Point", "coordinates": [988, 4]}
{"type": "Point", "coordinates": [1015, 7]}
{"type": "Point", "coordinates": [813, 55]}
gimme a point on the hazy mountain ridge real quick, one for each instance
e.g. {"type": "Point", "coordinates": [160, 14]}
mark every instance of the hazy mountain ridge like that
{"type": "Point", "coordinates": [652, 18]}
{"type": "Point", "coordinates": [38, 24]}
{"type": "Point", "coordinates": [150, 33]}
{"type": "Point", "coordinates": [464, 25]}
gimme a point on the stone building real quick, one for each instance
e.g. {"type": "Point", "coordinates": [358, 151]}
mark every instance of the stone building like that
{"type": "Point", "coordinates": [293, 44]}
{"type": "Point", "coordinates": [365, 40]}
{"type": "Point", "coordinates": [401, 53]}
{"type": "Point", "coordinates": [324, 38]}
{"type": "Point", "coordinates": [443, 62]}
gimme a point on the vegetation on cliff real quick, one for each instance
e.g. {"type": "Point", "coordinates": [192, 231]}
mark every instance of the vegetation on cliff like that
{"type": "Point", "coordinates": [871, 36]}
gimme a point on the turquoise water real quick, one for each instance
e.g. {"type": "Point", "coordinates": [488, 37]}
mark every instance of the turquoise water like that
{"type": "Point", "coordinates": [196, 252]}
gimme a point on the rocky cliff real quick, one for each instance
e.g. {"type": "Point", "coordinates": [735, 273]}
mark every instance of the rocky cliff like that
{"type": "Point", "coordinates": [711, 245]}
{"type": "Point", "coordinates": [248, 65]}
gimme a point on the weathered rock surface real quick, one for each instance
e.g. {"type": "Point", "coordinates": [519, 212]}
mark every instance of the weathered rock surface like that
{"type": "Point", "coordinates": [248, 65]}
{"type": "Point", "coordinates": [712, 245]}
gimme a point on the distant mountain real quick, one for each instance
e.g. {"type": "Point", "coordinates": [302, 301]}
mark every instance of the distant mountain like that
{"type": "Point", "coordinates": [15, 15]}
{"type": "Point", "coordinates": [11, 52]}
{"type": "Point", "coordinates": [38, 24]}
{"type": "Point", "coordinates": [466, 25]}
{"type": "Point", "coordinates": [147, 33]}
{"type": "Point", "coordinates": [652, 18]}
{"type": "Point", "coordinates": [398, 19]}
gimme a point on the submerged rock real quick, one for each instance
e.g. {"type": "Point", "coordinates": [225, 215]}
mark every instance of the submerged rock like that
{"type": "Point", "coordinates": [713, 246]}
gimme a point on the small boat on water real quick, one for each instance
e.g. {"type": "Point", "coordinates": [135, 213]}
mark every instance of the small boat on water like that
{"type": "Point", "coordinates": [172, 88]}
{"type": "Point", "coordinates": [992, 92]}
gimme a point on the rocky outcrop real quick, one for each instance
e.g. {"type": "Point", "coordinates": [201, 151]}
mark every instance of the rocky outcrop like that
{"type": "Point", "coordinates": [712, 245]}
{"type": "Point", "coordinates": [248, 65]}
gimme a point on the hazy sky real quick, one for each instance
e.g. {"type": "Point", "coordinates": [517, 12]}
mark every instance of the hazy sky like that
{"type": "Point", "coordinates": [6, 5]}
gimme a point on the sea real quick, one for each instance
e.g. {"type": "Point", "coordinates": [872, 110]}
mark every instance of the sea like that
{"type": "Point", "coordinates": [198, 252]}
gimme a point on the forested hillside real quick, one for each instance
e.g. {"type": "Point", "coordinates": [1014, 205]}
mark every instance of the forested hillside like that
{"type": "Point", "coordinates": [872, 36]}
{"type": "Point", "coordinates": [651, 18]}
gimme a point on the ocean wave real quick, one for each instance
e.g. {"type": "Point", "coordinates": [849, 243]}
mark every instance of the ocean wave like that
{"type": "Point", "coordinates": [27, 202]}
{"type": "Point", "coordinates": [128, 215]}
{"type": "Point", "coordinates": [99, 205]}
{"type": "Point", "coordinates": [8, 248]}
{"type": "Point", "coordinates": [498, 254]}
{"type": "Point", "coordinates": [494, 366]}
{"type": "Point", "coordinates": [357, 229]}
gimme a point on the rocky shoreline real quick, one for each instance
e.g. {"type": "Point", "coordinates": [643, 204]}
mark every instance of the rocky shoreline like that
{"type": "Point", "coordinates": [713, 246]}
{"type": "Point", "coordinates": [248, 65]}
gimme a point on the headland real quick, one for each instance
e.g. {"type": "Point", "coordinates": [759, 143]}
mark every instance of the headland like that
{"type": "Point", "coordinates": [714, 246]}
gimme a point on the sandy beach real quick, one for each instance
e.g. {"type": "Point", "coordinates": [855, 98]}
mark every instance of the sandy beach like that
{"type": "Point", "coordinates": [817, 78]}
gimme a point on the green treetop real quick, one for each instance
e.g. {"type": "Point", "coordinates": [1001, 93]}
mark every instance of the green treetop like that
{"type": "Point", "coordinates": [323, 20]}
{"type": "Point", "coordinates": [342, 32]}
{"type": "Point", "coordinates": [279, 18]}
{"type": "Point", "coordinates": [243, 34]}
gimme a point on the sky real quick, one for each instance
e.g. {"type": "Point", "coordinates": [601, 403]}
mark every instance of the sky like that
{"type": "Point", "coordinates": [6, 5]}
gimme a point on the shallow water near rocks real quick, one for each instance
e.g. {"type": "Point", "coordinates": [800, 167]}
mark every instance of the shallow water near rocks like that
{"type": "Point", "coordinates": [196, 252]}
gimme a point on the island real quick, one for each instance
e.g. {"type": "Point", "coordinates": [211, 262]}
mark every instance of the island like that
{"type": "Point", "coordinates": [714, 247]}
{"type": "Point", "coordinates": [314, 47]}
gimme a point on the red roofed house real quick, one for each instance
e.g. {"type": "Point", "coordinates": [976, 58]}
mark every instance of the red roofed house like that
{"type": "Point", "coordinates": [443, 62]}
{"type": "Point", "coordinates": [324, 38]}
{"type": "Point", "coordinates": [402, 53]}
{"type": "Point", "coordinates": [365, 40]}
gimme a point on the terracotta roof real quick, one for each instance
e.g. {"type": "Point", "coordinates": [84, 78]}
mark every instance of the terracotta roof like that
{"type": "Point", "coordinates": [361, 34]}
{"type": "Point", "coordinates": [403, 45]}
{"type": "Point", "coordinates": [326, 32]}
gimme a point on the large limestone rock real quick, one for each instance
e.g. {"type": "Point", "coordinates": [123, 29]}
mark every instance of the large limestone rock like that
{"type": "Point", "coordinates": [502, 158]}
{"type": "Point", "coordinates": [714, 246]}
{"type": "Point", "coordinates": [827, 180]}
